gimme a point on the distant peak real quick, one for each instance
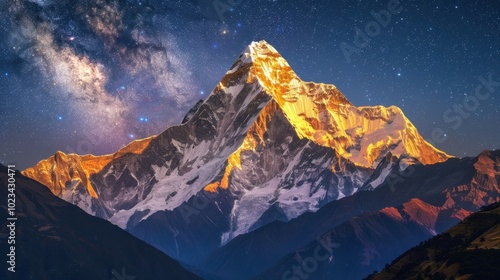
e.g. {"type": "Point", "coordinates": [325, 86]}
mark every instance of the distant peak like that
{"type": "Point", "coordinates": [485, 153]}
{"type": "Point", "coordinates": [258, 50]}
{"type": "Point", "coordinates": [489, 155]}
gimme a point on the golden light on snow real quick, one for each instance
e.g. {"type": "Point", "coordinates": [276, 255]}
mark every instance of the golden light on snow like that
{"type": "Point", "coordinates": [322, 114]}
{"type": "Point", "coordinates": [55, 171]}
{"type": "Point", "coordinates": [317, 112]}
{"type": "Point", "coordinates": [212, 187]}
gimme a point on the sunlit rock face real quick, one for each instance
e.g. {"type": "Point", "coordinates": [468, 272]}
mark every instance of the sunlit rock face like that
{"type": "Point", "coordinates": [264, 146]}
{"type": "Point", "coordinates": [69, 176]}
{"type": "Point", "coordinates": [322, 114]}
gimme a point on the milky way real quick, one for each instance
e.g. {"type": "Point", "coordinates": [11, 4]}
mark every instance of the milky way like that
{"type": "Point", "coordinates": [91, 76]}
{"type": "Point", "coordinates": [108, 69]}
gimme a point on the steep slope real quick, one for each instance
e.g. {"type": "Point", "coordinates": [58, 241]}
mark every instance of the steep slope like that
{"type": "Point", "coordinates": [469, 250]}
{"type": "Point", "coordinates": [69, 176]}
{"type": "Point", "coordinates": [423, 199]}
{"type": "Point", "coordinates": [322, 114]}
{"type": "Point", "coordinates": [347, 251]}
{"type": "Point", "coordinates": [264, 146]}
{"type": "Point", "coordinates": [57, 240]}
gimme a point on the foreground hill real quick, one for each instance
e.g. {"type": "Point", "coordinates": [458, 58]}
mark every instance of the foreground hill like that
{"type": "Point", "coordinates": [469, 250]}
{"type": "Point", "coordinates": [56, 240]}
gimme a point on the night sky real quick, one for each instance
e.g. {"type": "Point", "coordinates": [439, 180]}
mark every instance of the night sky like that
{"type": "Point", "coordinates": [90, 76]}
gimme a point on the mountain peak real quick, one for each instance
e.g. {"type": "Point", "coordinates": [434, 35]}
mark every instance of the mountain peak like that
{"type": "Point", "coordinates": [322, 114]}
{"type": "Point", "coordinates": [262, 47]}
{"type": "Point", "coordinates": [278, 78]}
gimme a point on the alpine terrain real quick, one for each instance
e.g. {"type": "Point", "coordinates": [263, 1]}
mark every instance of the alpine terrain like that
{"type": "Point", "coordinates": [266, 165]}
{"type": "Point", "coordinates": [468, 250]}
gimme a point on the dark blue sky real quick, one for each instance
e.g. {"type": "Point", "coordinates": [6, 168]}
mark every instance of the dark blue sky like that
{"type": "Point", "coordinates": [90, 76]}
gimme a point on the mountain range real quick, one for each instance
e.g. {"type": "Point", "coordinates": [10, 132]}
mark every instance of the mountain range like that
{"type": "Point", "coordinates": [270, 167]}
{"type": "Point", "coordinates": [372, 228]}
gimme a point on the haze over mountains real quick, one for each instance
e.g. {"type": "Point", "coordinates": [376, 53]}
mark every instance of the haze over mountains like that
{"type": "Point", "coordinates": [268, 165]}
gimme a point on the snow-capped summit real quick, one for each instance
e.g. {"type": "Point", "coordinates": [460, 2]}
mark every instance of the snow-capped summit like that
{"type": "Point", "coordinates": [264, 146]}
{"type": "Point", "coordinates": [322, 114]}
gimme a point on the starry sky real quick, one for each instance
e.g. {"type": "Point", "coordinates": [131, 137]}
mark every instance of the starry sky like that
{"type": "Point", "coordinates": [91, 76]}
